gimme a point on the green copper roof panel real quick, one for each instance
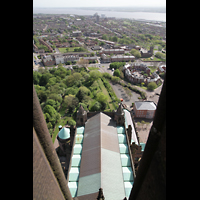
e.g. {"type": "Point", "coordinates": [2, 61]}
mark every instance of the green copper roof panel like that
{"type": "Point", "coordinates": [127, 173]}
{"type": "Point", "coordinates": [74, 174]}
{"type": "Point", "coordinates": [80, 129]}
{"type": "Point", "coordinates": [64, 133]}
{"type": "Point", "coordinates": [76, 160]}
{"type": "Point", "coordinates": [79, 139]}
{"type": "Point", "coordinates": [120, 129]}
{"type": "Point", "coordinates": [143, 146]}
{"type": "Point", "coordinates": [125, 160]}
{"type": "Point", "coordinates": [123, 148]}
{"type": "Point", "coordinates": [73, 188]}
{"type": "Point", "coordinates": [78, 149]}
{"type": "Point", "coordinates": [128, 186]}
{"type": "Point", "coordinates": [122, 138]}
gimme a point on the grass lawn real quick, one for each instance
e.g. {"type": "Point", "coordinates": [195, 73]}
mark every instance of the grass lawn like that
{"type": "Point", "coordinates": [93, 68]}
{"type": "Point", "coordinates": [104, 90]}
{"type": "Point", "coordinates": [152, 68]}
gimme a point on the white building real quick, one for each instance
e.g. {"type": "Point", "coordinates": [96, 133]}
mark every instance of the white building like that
{"type": "Point", "coordinates": [59, 59]}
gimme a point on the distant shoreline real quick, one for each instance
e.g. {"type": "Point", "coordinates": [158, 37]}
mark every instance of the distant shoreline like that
{"type": "Point", "coordinates": [114, 9]}
{"type": "Point", "coordinates": [146, 16]}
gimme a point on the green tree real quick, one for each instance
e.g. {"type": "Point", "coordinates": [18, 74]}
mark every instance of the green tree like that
{"type": "Point", "coordinates": [116, 73]}
{"type": "Point", "coordinates": [94, 75]}
{"type": "Point", "coordinates": [115, 79]}
{"type": "Point", "coordinates": [96, 106]}
{"type": "Point", "coordinates": [136, 53]}
{"type": "Point", "coordinates": [102, 98]}
{"type": "Point", "coordinates": [50, 110]}
{"type": "Point", "coordinates": [67, 49]}
{"type": "Point", "coordinates": [114, 39]}
{"type": "Point", "coordinates": [45, 78]}
{"type": "Point", "coordinates": [104, 37]}
{"type": "Point", "coordinates": [70, 102]}
{"type": "Point", "coordinates": [151, 86]}
{"type": "Point", "coordinates": [53, 103]}
{"type": "Point", "coordinates": [83, 91]}
{"type": "Point", "coordinates": [36, 77]}
{"type": "Point", "coordinates": [71, 122]}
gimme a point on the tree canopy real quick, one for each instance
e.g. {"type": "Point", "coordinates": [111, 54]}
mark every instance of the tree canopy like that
{"type": "Point", "coordinates": [60, 92]}
{"type": "Point", "coordinates": [151, 86]}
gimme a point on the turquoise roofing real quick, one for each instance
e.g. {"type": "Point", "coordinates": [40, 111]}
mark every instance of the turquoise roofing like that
{"type": "Point", "coordinates": [143, 146]}
{"type": "Point", "coordinates": [76, 160]}
{"type": "Point", "coordinates": [125, 159]}
{"type": "Point", "coordinates": [64, 133]}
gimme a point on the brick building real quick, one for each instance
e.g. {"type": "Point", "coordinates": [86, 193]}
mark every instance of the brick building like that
{"type": "Point", "coordinates": [134, 75]}
{"type": "Point", "coordinates": [145, 53]}
{"type": "Point", "coordinates": [48, 60]}
{"type": "Point", "coordinates": [144, 109]}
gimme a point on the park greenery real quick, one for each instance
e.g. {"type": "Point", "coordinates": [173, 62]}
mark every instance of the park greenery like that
{"type": "Point", "coordinates": [61, 91]}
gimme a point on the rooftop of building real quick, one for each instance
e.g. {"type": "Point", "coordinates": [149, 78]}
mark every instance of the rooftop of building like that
{"type": "Point", "coordinates": [100, 159]}
{"type": "Point", "coordinates": [64, 133]}
{"type": "Point", "coordinates": [145, 105]}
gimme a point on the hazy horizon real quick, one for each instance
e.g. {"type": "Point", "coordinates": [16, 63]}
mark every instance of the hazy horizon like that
{"type": "Point", "coordinates": [102, 3]}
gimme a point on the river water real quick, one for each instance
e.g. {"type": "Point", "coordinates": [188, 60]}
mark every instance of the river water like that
{"type": "Point", "coordinates": [131, 15]}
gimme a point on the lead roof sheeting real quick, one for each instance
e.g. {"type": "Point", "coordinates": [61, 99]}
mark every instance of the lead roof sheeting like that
{"type": "Point", "coordinates": [111, 175]}
{"type": "Point", "coordinates": [109, 139]}
{"type": "Point", "coordinates": [89, 184]}
{"type": "Point", "coordinates": [101, 161]}
{"type": "Point", "coordinates": [90, 162]}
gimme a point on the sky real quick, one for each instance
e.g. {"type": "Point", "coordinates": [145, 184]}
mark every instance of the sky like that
{"type": "Point", "coordinates": [96, 3]}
